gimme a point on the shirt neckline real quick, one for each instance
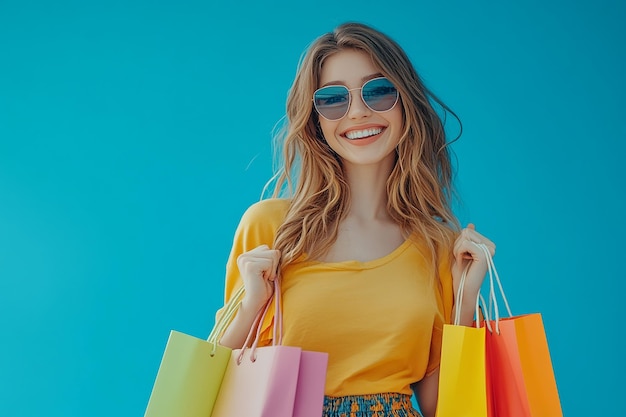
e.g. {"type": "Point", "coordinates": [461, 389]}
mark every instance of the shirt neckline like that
{"type": "Point", "coordinates": [373, 263]}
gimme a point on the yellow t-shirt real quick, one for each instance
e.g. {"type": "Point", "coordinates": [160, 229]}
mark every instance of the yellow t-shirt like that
{"type": "Point", "coordinates": [380, 321]}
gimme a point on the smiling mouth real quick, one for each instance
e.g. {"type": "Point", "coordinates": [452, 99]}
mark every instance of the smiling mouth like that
{"type": "Point", "coordinates": [362, 134]}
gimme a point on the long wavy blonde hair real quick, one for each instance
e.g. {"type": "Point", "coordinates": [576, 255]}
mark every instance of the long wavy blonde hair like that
{"type": "Point", "coordinates": [419, 188]}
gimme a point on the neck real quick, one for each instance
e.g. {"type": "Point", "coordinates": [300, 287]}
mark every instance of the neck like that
{"type": "Point", "coordinates": [368, 191]}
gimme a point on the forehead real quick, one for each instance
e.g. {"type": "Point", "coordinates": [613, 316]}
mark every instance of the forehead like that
{"type": "Point", "coordinates": [348, 67]}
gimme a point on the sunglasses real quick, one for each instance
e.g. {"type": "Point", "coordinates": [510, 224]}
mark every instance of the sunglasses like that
{"type": "Point", "coordinates": [333, 101]}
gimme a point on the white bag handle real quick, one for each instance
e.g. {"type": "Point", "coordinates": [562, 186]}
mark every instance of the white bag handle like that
{"type": "Point", "coordinates": [493, 275]}
{"type": "Point", "coordinates": [479, 300]}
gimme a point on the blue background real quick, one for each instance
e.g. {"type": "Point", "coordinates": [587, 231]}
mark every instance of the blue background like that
{"type": "Point", "coordinates": [133, 135]}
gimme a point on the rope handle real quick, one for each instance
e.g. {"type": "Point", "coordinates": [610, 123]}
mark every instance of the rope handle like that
{"type": "Point", "coordinates": [494, 278]}
{"type": "Point", "coordinates": [255, 330]}
{"type": "Point", "coordinates": [479, 300]}
{"type": "Point", "coordinates": [260, 318]}
{"type": "Point", "coordinates": [229, 312]}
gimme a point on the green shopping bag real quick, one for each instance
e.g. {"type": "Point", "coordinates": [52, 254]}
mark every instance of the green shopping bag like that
{"type": "Point", "coordinates": [191, 371]}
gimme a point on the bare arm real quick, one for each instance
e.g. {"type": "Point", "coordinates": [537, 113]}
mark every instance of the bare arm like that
{"type": "Point", "coordinates": [465, 251]}
{"type": "Point", "coordinates": [426, 393]}
{"type": "Point", "coordinates": [426, 390]}
{"type": "Point", "coordinates": [236, 333]}
{"type": "Point", "coordinates": [258, 271]}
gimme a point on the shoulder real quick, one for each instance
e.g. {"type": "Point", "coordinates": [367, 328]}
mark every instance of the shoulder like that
{"type": "Point", "coordinates": [271, 210]}
{"type": "Point", "coordinates": [437, 247]}
{"type": "Point", "coordinates": [260, 221]}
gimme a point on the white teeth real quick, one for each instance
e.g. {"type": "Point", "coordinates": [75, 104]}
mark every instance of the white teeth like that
{"type": "Point", "coordinates": [360, 134]}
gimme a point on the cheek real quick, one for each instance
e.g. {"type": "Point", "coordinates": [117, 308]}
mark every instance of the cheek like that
{"type": "Point", "coordinates": [328, 129]}
{"type": "Point", "coordinates": [397, 116]}
{"type": "Point", "coordinates": [398, 122]}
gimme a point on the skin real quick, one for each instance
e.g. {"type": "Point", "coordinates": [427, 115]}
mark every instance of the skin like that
{"type": "Point", "coordinates": [367, 232]}
{"type": "Point", "coordinates": [367, 162]}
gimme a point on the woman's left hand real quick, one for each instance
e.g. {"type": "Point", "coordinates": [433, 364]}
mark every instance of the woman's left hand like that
{"type": "Point", "coordinates": [466, 250]}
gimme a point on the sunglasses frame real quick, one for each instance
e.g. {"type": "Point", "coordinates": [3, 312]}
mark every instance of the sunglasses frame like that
{"type": "Point", "coordinates": [350, 90]}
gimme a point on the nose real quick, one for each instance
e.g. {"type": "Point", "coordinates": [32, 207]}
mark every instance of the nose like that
{"type": "Point", "coordinates": [357, 108]}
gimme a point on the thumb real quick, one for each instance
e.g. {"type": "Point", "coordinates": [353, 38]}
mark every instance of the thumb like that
{"type": "Point", "coordinates": [471, 226]}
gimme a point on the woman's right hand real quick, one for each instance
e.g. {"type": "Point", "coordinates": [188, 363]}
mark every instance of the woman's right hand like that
{"type": "Point", "coordinates": [258, 269]}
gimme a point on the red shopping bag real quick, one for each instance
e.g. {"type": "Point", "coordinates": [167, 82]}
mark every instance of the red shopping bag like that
{"type": "Point", "coordinates": [521, 380]}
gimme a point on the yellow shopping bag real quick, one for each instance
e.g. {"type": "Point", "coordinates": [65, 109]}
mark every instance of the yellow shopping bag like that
{"type": "Point", "coordinates": [462, 370]}
{"type": "Point", "coordinates": [462, 376]}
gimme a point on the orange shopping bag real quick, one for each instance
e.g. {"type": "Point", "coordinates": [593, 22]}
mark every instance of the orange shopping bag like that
{"type": "Point", "coordinates": [521, 380]}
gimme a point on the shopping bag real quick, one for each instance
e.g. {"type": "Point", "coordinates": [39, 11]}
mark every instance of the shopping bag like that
{"type": "Point", "coordinates": [191, 371]}
{"type": "Point", "coordinates": [259, 383]}
{"type": "Point", "coordinates": [462, 370]}
{"type": "Point", "coordinates": [272, 381]}
{"type": "Point", "coordinates": [309, 397]}
{"type": "Point", "coordinates": [521, 379]}
{"type": "Point", "coordinates": [309, 401]}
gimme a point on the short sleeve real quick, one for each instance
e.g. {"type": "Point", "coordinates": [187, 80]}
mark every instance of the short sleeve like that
{"type": "Point", "coordinates": [445, 303]}
{"type": "Point", "coordinates": [257, 227]}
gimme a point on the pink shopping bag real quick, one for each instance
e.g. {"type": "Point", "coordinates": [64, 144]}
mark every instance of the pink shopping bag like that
{"type": "Point", "coordinates": [272, 381]}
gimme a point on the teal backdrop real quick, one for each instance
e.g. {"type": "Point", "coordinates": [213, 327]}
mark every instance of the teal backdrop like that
{"type": "Point", "coordinates": [133, 135]}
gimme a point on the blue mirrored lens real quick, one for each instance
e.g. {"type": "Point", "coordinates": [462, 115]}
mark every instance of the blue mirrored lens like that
{"type": "Point", "coordinates": [379, 94]}
{"type": "Point", "coordinates": [332, 101]}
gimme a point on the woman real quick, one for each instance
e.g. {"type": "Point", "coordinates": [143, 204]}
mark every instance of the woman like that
{"type": "Point", "coordinates": [366, 246]}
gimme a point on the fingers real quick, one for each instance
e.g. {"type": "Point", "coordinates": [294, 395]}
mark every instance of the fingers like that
{"type": "Point", "coordinates": [470, 233]}
{"type": "Point", "coordinates": [465, 249]}
{"type": "Point", "coordinates": [258, 268]}
{"type": "Point", "coordinates": [466, 245]}
{"type": "Point", "coordinates": [260, 261]}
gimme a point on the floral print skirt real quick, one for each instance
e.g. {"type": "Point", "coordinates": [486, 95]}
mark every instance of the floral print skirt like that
{"type": "Point", "coordinates": [373, 405]}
